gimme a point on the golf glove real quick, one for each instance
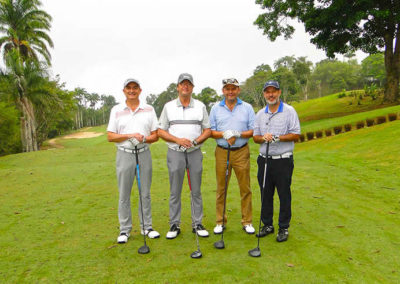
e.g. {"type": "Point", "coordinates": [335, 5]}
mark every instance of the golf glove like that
{"type": "Point", "coordinates": [228, 134]}
{"type": "Point", "coordinates": [134, 141]}
{"type": "Point", "coordinates": [183, 149]}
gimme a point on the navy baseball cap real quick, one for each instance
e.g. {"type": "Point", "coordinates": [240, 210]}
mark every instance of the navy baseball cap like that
{"type": "Point", "coordinates": [271, 83]}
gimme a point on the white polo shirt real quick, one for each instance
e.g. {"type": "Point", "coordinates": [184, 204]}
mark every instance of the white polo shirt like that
{"type": "Point", "coordinates": [184, 122]}
{"type": "Point", "coordinates": [125, 121]}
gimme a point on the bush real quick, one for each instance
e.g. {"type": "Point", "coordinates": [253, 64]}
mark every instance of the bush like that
{"type": "Point", "coordinates": [392, 116]}
{"type": "Point", "coordinates": [347, 127]}
{"type": "Point", "coordinates": [318, 134]}
{"type": "Point", "coordinates": [338, 129]}
{"type": "Point", "coordinates": [10, 139]}
{"type": "Point", "coordinates": [360, 124]}
{"type": "Point", "coordinates": [370, 122]}
{"type": "Point", "coordinates": [341, 95]}
{"type": "Point", "coordinates": [328, 132]}
{"type": "Point", "coordinates": [380, 119]}
{"type": "Point", "coordinates": [302, 138]}
{"type": "Point", "coordinates": [310, 135]}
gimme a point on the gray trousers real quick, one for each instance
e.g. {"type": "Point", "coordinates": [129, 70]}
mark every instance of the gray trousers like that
{"type": "Point", "coordinates": [176, 167]}
{"type": "Point", "coordinates": [126, 173]}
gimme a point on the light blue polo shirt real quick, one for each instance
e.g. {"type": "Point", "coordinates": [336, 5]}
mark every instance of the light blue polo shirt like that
{"type": "Point", "coordinates": [282, 122]}
{"type": "Point", "coordinates": [240, 118]}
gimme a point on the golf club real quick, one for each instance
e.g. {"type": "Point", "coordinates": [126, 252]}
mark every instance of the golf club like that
{"type": "Point", "coordinates": [143, 249]}
{"type": "Point", "coordinates": [220, 244]}
{"type": "Point", "coordinates": [197, 253]}
{"type": "Point", "coordinates": [256, 252]}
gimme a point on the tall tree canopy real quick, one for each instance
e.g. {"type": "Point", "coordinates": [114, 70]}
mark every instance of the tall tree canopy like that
{"type": "Point", "coordinates": [23, 26]}
{"type": "Point", "coordinates": [341, 26]}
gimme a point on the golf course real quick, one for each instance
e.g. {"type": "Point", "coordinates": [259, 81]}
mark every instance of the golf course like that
{"type": "Point", "coordinates": [58, 220]}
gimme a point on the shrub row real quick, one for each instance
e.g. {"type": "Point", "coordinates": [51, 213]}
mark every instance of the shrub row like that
{"type": "Point", "coordinates": [348, 127]}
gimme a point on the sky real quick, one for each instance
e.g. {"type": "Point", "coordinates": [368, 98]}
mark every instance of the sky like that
{"type": "Point", "coordinates": [98, 44]}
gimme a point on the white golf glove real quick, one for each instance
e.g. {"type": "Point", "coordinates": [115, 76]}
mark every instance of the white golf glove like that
{"type": "Point", "coordinates": [183, 149]}
{"type": "Point", "coordinates": [228, 134]}
{"type": "Point", "coordinates": [134, 141]}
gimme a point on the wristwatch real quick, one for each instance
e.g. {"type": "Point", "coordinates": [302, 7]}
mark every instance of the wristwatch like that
{"type": "Point", "coordinates": [276, 138]}
{"type": "Point", "coordinates": [144, 139]}
{"type": "Point", "coordinates": [194, 142]}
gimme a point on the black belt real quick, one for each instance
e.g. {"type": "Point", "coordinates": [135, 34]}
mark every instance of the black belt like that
{"type": "Point", "coordinates": [232, 148]}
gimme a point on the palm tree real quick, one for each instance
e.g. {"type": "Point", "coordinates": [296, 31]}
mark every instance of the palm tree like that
{"type": "Point", "coordinates": [23, 26]}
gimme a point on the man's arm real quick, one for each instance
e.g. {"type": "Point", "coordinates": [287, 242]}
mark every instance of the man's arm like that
{"type": "Point", "coordinates": [204, 136]}
{"type": "Point", "coordinates": [115, 137]}
{"type": "Point", "coordinates": [268, 137]}
{"type": "Point", "coordinates": [171, 138]}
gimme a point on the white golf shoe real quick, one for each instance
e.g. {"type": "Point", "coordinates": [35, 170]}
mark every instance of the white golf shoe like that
{"type": "Point", "coordinates": [173, 232]}
{"type": "Point", "coordinates": [123, 238]}
{"type": "Point", "coordinates": [201, 231]}
{"type": "Point", "coordinates": [218, 229]}
{"type": "Point", "coordinates": [151, 233]}
{"type": "Point", "coordinates": [249, 229]}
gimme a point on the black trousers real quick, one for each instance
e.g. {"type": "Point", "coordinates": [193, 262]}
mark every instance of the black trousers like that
{"type": "Point", "coordinates": [279, 175]}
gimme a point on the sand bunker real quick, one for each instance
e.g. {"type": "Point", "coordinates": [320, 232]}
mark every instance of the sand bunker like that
{"type": "Point", "coordinates": [80, 135]}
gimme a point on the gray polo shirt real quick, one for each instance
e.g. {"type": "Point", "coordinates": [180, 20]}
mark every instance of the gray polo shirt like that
{"type": "Point", "coordinates": [284, 121]}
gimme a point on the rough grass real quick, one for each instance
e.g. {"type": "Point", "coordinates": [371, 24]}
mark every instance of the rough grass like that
{"type": "Point", "coordinates": [58, 218]}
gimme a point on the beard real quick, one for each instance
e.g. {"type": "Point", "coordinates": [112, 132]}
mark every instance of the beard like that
{"type": "Point", "coordinates": [273, 102]}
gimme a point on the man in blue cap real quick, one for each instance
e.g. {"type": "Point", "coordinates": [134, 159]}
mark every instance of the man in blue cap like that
{"type": "Point", "coordinates": [277, 124]}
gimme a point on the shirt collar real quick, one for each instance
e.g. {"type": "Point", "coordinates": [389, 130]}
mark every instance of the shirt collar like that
{"type": "Point", "coordinates": [179, 104]}
{"type": "Point", "coordinates": [280, 109]}
{"type": "Point", "coordinates": [239, 102]}
{"type": "Point", "coordinates": [141, 106]}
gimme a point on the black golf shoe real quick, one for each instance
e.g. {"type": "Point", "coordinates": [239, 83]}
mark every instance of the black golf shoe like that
{"type": "Point", "coordinates": [173, 232]}
{"type": "Point", "coordinates": [265, 230]}
{"type": "Point", "coordinates": [283, 235]}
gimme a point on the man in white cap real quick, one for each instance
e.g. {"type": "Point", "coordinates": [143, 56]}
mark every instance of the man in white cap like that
{"type": "Point", "coordinates": [133, 125]}
{"type": "Point", "coordinates": [277, 124]}
{"type": "Point", "coordinates": [184, 125]}
{"type": "Point", "coordinates": [232, 122]}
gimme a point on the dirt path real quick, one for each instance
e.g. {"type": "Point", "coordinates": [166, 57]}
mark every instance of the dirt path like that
{"type": "Point", "coordinates": [77, 135]}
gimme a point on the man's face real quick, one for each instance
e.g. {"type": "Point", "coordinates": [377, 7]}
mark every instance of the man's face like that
{"type": "Point", "coordinates": [132, 91]}
{"type": "Point", "coordinates": [185, 88]}
{"type": "Point", "coordinates": [231, 92]}
{"type": "Point", "coordinates": [271, 95]}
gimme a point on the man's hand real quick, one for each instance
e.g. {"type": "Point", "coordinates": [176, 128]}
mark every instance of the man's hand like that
{"type": "Point", "coordinates": [269, 137]}
{"type": "Point", "coordinates": [184, 143]}
{"type": "Point", "coordinates": [228, 134]}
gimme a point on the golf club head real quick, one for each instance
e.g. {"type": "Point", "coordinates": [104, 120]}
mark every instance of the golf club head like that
{"type": "Point", "coordinates": [219, 245]}
{"type": "Point", "coordinates": [196, 254]}
{"type": "Point", "coordinates": [256, 252]}
{"type": "Point", "coordinates": [144, 249]}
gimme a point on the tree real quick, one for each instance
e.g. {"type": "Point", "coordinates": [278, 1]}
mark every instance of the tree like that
{"type": "Point", "coordinates": [373, 68]}
{"type": "Point", "coordinates": [166, 96]}
{"type": "Point", "coordinates": [262, 67]}
{"type": "Point", "coordinates": [302, 70]}
{"type": "Point", "coordinates": [23, 26]}
{"type": "Point", "coordinates": [252, 89]}
{"type": "Point", "coordinates": [288, 83]}
{"type": "Point", "coordinates": [208, 96]}
{"type": "Point", "coordinates": [340, 27]}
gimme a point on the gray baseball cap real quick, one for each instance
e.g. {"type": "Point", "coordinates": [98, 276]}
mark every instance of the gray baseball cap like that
{"type": "Point", "coordinates": [271, 83]}
{"type": "Point", "coordinates": [130, 80]}
{"type": "Point", "coordinates": [185, 76]}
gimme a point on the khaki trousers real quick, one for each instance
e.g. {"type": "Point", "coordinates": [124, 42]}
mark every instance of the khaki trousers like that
{"type": "Point", "coordinates": [239, 161]}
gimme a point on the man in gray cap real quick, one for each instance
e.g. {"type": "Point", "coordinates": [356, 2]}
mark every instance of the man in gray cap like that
{"type": "Point", "coordinates": [184, 125]}
{"type": "Point", "coordinates": [133, 123]}
{"type": "Point", "coordinates": [277, 124]}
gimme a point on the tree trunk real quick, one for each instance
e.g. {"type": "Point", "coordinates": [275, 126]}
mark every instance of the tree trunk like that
{"type": "Point", "coordinates": [392, 66]}
{"type": "Point", "coordinates": [28, 126]}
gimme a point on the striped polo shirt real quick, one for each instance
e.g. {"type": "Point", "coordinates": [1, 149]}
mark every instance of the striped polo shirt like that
{"type": "Point", "coordinates": [284, 121]}
{"type": "Point", "coordinates": [125, 121]}
{"type": "Point", "coordinates": [184, 122]}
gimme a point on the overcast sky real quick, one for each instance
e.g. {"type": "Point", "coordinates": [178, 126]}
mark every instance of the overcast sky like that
{"type": "Point", "coordinates": [100, 43]}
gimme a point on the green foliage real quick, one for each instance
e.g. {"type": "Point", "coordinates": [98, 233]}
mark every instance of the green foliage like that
{"type": "Point", "coordinates": [9, 129]}
{"type": "Point", "coordinates": [208, 96]}
{"type": "Point", "coordinates": [373, 68]}
{"type": "Point", "coordinates": [158, 101]}
{"type": "Point", "coordinates": [252, 88]}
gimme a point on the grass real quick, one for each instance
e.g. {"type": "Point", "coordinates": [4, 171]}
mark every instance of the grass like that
{"type": "Point", "coordinates": [58, 219]}
{"type": "Point", "coordinates": [331, 106]}
{"type": "Point", "coordinates": [322, 124]}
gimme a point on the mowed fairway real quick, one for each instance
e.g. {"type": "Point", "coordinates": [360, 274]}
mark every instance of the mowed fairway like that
{"type": "Point", "coordinates": [58, 218]}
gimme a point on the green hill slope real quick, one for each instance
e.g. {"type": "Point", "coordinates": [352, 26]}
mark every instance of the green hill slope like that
{"type": "Point", "coordinates": [58, 219]}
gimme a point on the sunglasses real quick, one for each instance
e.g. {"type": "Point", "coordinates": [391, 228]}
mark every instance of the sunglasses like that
{"type": "Point", "coordinates": [230, 81]}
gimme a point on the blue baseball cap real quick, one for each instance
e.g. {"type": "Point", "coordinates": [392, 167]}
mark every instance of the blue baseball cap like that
{"type": "Point", "coordinates": [271, 83]}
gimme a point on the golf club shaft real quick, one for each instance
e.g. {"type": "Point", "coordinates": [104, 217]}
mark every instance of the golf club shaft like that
{"type": "Point", "coordinates": [262, 194]}
{"type": "Point", "coordinates": [191, 198]}
{"type": "Point", "coordinates": [140, 193]}
{"type": "Point", "coordinates": [225, 190]}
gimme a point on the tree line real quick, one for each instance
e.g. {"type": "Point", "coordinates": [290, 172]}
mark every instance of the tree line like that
{"type": "Point", "coordinates": [300, 79]}
{"type": "Point", "coordinates": [34, 106]}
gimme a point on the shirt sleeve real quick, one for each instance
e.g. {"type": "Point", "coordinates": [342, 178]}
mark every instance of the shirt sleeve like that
{"type": "Point", "coordinates": [163, 122]}
{"type": "Point", "coordinates": [154, 124]}
{"type": "Point", "coordinates": [257, 129]}
{"type": "Point", "coordinates": [294, 123]}
{"type": "Point", "coordinates": [206, 121]}
{"type": "Point", "coordinates": [251, 119]}
{"type": "Point", "coordinates": [213, 122]}
{"type": "Point", "coordinates": [112, 123]}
